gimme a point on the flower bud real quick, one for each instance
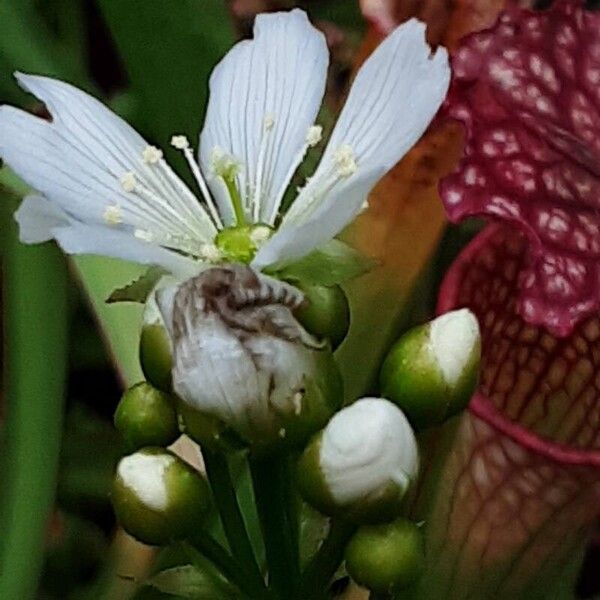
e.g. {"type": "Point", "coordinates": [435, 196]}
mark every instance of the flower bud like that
{"type": "Point", "coordinates": [361, 465]}
{"type": "Point", "coordinates": [386, 558]}
{"type": "Point", "coordinates": [145, 417]}
{"type": "Point", "coordinates": [241, 357]}
{"type": "Point", "coordinates": [432, 371]}
{"type": "Point", "coordinates": [325, 312]}
{"type": "Point", "coordinates": [155, 345]}
{"type": "Point", "coordinates": [158, 497]}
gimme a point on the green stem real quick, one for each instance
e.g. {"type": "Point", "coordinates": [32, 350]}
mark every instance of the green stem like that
{"type": "Point", "coordinates": [270, 479]}
{"type": "Point", "coordinates": [219, 477]}
{"type": "Point", "coordinates": [36, 343]}
{"type": "Point", "coordinates": [224, 562]}
{"type": "Point", "coordinates": [322, 567]}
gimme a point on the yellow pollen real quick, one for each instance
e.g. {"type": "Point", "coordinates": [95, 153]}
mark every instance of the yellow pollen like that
{"type": "Point", "coordinates": [314, 135]}
{"type": "Point", "coordinates": [113, 214]}
{"type": "Point", "coordinates": [151, 155]}
{"type": "Point", "coordinates": [128, 181]}
{"type": "Point", "coordinates": [269, 122]}
{"type": "Point", "coordinates": [180, 142]}
{"type": "Point", "coordinates": [345, 161]}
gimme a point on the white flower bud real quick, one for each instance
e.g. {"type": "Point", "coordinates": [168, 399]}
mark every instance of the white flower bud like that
{"type": "Point", "coordinates": [158, 497]}
{"type": "Point", "coordinates": [361, 465]}
{"type": "Point", "coordinates": [240, 356]}
{"type": "Point", "coordinates": [432, 371]}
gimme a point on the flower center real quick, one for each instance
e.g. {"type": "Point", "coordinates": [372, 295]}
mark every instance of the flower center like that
{"type": "Point", "coordinates": [240, 243]}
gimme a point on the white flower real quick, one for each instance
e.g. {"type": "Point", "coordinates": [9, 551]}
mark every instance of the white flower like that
{"type": "Point", "coordinates": [240, 356]}
{"type": "Point", "coordinates": [105, 190]}
{"type": "Point", "coordinates": [365, 448]}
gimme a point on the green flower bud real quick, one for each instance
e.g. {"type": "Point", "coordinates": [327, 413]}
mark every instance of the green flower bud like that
{"type": "Point", "coordinates": [145, 417]}
{"type": "Point", "coordinates": [361, 465]}
{"type": "Point", "coordinates": [432, 371]}
{"type": "Point", "coordinates": [155, 344]}
{"type": "Point", "coordinates": [325, 312]}
{"type": "Point", "coordinates": [242, 359]}
{"type": "Point", "coordinates": [158, 497]}
{"type": "Point", "coordinates": [240, 244]}
{"type": "Point", "coordinates": [386, 558]}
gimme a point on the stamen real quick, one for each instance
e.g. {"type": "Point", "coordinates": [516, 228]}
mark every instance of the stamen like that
{"type": "Point", "coordinates": [210, 252]}
{"type": "Point", "coordinates": [151, 155]}
{"type": "Point", "coordinates": [345, 161]}
{"type": "Point", "coordinates": [269, 122]}
{"type": "Point", "coordinates": [142, 234]}
{"type": "Point", "coordinates": [128, 181]}
{"type": "Point", "coordinates": [259, 235]}
{"type": "Point", "coordinates": [113, 215]}
{"type": "Point", "coordinates": [314, 135]}
{"type": "Point", "coordinates": [182, 143]}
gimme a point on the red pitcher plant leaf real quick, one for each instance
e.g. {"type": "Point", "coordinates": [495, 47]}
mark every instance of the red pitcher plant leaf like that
{"type": "Point", "coordinates": [519, 490]}
{"type": "Point", "coordinates": [528, 93]}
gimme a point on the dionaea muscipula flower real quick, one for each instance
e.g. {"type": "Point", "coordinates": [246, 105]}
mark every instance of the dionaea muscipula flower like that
{"type": "Point", "coordinates": [158, 497]}
{"type": "Point", "coordinates": [362, 463]}
{"type": "Point", "coordinates": [104, 190]}
{"type": "Point", "coordinates": [432, 371]}
{"type": "Point", "coordinates": [240, 356]}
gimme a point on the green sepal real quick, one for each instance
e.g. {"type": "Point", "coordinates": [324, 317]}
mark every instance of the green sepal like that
{"type": "Point", "coordinates": [332, 264]}
{"type": "Point", "coordinates": [139, 289]}
{"type": "Point", "coordinates": [190, 583]}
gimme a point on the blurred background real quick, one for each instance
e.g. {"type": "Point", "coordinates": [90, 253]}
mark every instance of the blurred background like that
{"type": "Point", "coordinates": [67, 355]}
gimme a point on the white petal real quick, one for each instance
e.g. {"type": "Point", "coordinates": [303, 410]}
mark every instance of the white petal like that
{"type": "Point", "coordinates": [393, 99]}
{"type": "Point", "coordinates": [37, 217]}
{"type": "Point", "coordinates": [366, 446]}
{"type": "Point", "coordinates": [79, 238]}
{"type": "Point", "coordinates": [294, 240]}
{"type": "Point", "coordinates": [79, 159]}
{"type": "Point", "coordinates": [264, 96]}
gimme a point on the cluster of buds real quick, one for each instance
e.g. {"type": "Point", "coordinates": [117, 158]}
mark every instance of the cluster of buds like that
{"type": "Point", "coordinates": [239, 361]}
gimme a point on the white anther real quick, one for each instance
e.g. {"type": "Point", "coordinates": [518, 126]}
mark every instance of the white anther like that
{"type": "Point", "coordinates": [142, 234]}
{"type": "Point", "coordinates": [269, 122]}
{"type": "Point", "coordinates": [180, 142]}
{"type": "Point", "coordinates": [151, 155]}
{"type": "Point", "coordinates": [259, 235]}
{"type": "Point", "coordinates": [314, 135]}
{"type": "Point", "coordinates": [223, 164]}
{"type": "Point", "coordinates": [113, 215]}
{"type": "Point", "coordinates": [128, 181]}
{"type": "Point", "coordinates": [210, 253]}
{"type": "Point", "coordinates": [345, 161]}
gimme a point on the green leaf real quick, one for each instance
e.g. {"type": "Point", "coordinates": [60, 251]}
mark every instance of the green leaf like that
{"type": "Point", "coordinates": [35, 305]}
{"type": "Point", "coordinates": [169, 78]}
{"type": "Point", "coordinates": [332, 264]}
{"type": "Point", "coordinates": [139, 289]}
{"type": "Point", "coordinates": [191, 583]}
